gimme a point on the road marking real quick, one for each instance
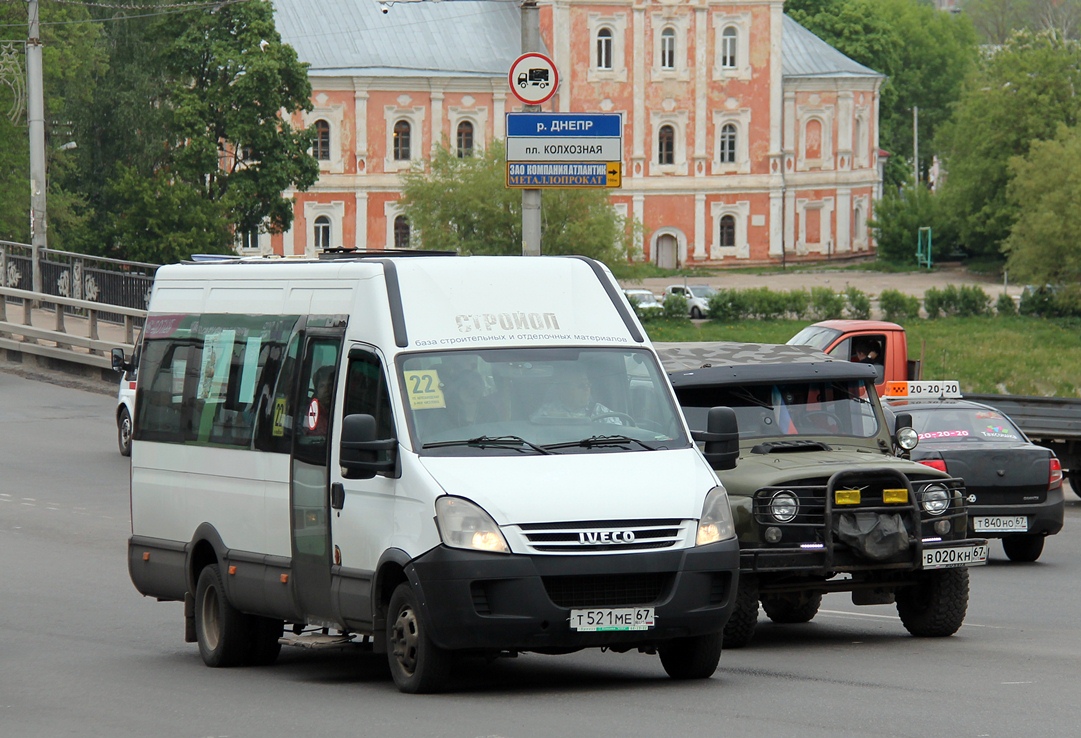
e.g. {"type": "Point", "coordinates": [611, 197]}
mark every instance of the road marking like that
{"type": "Point", "coordinates": [873, 616]}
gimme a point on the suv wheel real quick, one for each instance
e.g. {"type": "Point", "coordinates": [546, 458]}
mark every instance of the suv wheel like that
{"type": "Point", "coordinates": [741, 625]}
{"type": "Point", "coordinates": [800, 607]}
{"type": "Point", "coordinates": [935, 606]}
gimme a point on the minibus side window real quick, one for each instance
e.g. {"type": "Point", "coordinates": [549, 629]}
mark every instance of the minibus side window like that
{"type": "Point", "coordinates": [366, 391]}
{"type": "Point", "coordinates": [275, 422]}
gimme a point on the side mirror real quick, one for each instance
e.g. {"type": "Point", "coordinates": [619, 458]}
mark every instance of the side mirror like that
{"type": "Point", "coordinates": [359, 453]}
{"type": "Point", "coordinates": [721, 438]}
{"type": "Point", "coordinates": [120, 363]}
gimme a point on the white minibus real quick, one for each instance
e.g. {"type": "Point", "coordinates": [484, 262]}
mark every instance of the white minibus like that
{"type": "Point", "coordinates": [425, 455]}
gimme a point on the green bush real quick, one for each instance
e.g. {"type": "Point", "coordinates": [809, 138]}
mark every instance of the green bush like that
{"type": "Point", "coordinates": [675, 307]}
{"type": "Point", "coordinates": [826, 304]}
{"type": "Point", "coordinates": [859, 304]}
{"type": "Point", "coordinates": [797, 303]}
{"type": "Point", "coordinates": [765, 304]}
{"type": "Point", "coordinates": [1005, 305]}
{"type": "Point", "coordinates": [897, 307]}
{"type": "Point", "coordinates": [1067, 301]}
{"type": "Point", "coordinates": [1037, 302]}
{"type": "Point", "coordinates": [728, 305]}
{"type": "Point", "coordinates": [966, 302]}
{"type": "Point", "coordinates": [972, 301]}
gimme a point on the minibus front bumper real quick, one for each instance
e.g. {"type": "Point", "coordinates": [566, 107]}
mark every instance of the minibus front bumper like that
{"type": "Point", "coordinates": [474, 600]}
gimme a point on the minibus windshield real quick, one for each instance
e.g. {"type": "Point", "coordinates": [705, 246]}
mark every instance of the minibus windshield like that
{"type": "Point", "coordinates": [538, 401]}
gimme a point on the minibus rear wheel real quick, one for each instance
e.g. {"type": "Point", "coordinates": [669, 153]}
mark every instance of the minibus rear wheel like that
{"type": "Point", "coordinates": [219, 627]}
{"type": "Point", "coordinates": [417, 665]}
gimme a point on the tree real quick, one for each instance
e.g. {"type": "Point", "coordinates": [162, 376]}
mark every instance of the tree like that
{"type": "Point", "coordinates": [996, 20]}
{"type": "Point", "coordinates": [464, 205]}
{"type": "Point", "coordinates": [1021, 94]}
{"type": "Point", "coordinates": [72, 59]}
{"type": "Point", "coordinates": [925, 54]}
{"type": "Point", "coordinates": [1043, 247]}
{"type": "Point", "coordinates": [898, 218]}
{"type": "Point", "coordinates": [191, 146]}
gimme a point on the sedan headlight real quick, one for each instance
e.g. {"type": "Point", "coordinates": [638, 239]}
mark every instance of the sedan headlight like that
{"type": "Point", "coordinates": [935, 499]}
{"type": "Point", "coordinates": [716, 521]}
{"type": "Point", "coordinates": [784, 506]}
{"type": "Point", "coordinates": [462, 524]}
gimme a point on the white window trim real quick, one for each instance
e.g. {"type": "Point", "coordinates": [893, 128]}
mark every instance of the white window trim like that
{"type": "Point", "coordinates": [681, 26]}
{"type": "Point", "coordinates": [391, 210]}
{"type": "Point", "coordinates": [742, 23]}
{"type": "Point", "coordinates": [681, 244]}
{"type": "Point", "coordinates": [741, 119]}
{"type": "Point", "coordinates": [415, 117]}
{"type": "Point", "coordinates": [678, 120]}
{"type": "Point", "coordinates": [618, 25]}
{"type": "Point", "coordinates": [860, 231]}
{"type": "Point", "coordinates": [824, 115]}
{"type": "Point", "coordinates": [478, 117]}
{"type": "Point", "coordinates": [741, 211]}
{"type": "Point", "coordinates": [861, 145]}
{"type": "Point", "coordinates": [334, 115]}
{"type": "Point", "coordinates": [825, 237]}
{"type": "Point", "coordinates": [333, 210]}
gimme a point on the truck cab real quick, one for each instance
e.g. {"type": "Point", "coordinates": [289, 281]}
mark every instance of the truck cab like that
{"type": "Point", "coordinates": [842, 339]}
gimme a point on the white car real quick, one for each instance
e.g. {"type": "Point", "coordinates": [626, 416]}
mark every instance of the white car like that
{"type": "Point", "coordinates": [696, 295]}
{"type": "Point", "coordinates": [125, 402]}
{"type": "Point", "coordinates": [645, 301]}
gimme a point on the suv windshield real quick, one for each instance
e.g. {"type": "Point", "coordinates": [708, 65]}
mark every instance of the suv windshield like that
{"type": "Point", "coordinates": [807, 410]}
{"type": "Point", "coordinates": [532, 401]}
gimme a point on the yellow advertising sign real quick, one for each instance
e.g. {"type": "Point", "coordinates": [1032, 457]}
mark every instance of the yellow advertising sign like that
{"type": "Point", "coordinates": [424, 390]}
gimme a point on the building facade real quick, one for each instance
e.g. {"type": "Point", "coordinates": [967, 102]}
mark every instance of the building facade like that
{"type": "Point", "coordinates": [747, 140]}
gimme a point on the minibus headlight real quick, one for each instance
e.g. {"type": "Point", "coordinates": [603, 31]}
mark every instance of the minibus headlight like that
{"type": "Point", "coordinates": [716, 522]}
{"type": "Point", "coordinates": [463, 524]}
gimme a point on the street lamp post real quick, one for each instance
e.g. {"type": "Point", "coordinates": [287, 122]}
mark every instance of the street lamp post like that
{"type": "Point", "coordinates": [531, 198]}
{"type": "Point", "coordinates": [36, 120]}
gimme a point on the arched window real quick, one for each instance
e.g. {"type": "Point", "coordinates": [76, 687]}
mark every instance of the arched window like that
{"type": "Point", "coordinates": [728, 48]}
{"type": "Point", "coordinates": [728, 143]}
{"type": "Point", "coordinates": [812, 142]}
{"type": "Point", "coordinates": [401, 232]}
{"type": "Point", "coordinates": [604, 48]}
{"type": "Point", "coordinates": [322, 232]}
{"type": "Point", "coordinates": [666, 145]}
{"type": "Point", "coordinates": [321, 144]}
{"type": "Point", "coordinates": [465, 139]}
{"type": "Point", "coordinates": [668, 49]}
{"type": "Point", "coordinates": [727, 232]}
{"type": "Point", "coordinates": [402, 132]}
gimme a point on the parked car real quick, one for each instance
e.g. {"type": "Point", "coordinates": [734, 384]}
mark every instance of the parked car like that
{"type": "Point", "coordinates": [696, 295]}
{"type": "Point", "coordinates": [1014, 487]}
{"type": "Point", "coordinates": [645, 302]}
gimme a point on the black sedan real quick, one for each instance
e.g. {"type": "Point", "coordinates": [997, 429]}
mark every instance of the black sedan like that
{"type": "Point", "coordinates": [1014, 486]}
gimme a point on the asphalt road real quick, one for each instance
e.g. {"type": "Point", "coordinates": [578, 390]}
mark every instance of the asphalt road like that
{"type": "Point", "coordinates": [83, 654]}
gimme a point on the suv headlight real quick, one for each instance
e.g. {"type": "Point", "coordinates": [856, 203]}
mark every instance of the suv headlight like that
{"type": "Point", "coordinates": [462, 524]}
{"type": "Point", "coordinates": [935, 499]}
{"type": "Point", "coordinates": [784, 506]}
{"type": "Point", "coordinates": [716, 521]}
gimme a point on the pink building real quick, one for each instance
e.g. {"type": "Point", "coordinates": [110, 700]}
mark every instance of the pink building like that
{"type": "Point", "coordinates": [746, 139]}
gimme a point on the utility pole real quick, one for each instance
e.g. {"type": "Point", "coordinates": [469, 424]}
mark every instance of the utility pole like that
{"type": "Point", "coordinates": [36, 119]}
{"type": "Point", "coordinates": [531, 198]}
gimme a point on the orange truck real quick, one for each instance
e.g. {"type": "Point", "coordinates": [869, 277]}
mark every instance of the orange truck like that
{"type": "Point", "coordinates": [1052, 422]}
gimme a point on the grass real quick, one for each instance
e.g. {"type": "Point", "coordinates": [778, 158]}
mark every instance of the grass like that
{"type": "Point", "coordinates": [1016, 355]}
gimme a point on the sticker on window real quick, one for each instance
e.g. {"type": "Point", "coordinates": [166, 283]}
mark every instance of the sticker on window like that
{"type": "Point", "coordinates": [944, 434]}
{"type": "Point", "coordinates": [424, 390]}
{"type": "Point", "coordinates": [998, 431]}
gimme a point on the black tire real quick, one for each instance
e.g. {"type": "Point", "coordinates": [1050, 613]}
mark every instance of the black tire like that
{"type": "Point", "coordinates": [1074, 478]}
{"type": "Point", "coordinates": [123, 432]}
{"type": "Point", "coordinates": [220, 629]}
{"type": "Point", "coordinates": [1026, 547]}
{"type": "Point", "coordinates": [696, 313]}
{"type": "Point", "coordinates": [792, 608]}
{"type": "Point", "coordinates": [417, 665]}
{"type": "Point", "coordinates": [741, 625]}
{"type": "Point", "coordinates": [935, 607]}
{"type": "Point", "coordinates": [691, 658]}
{"type": "Point", "coordinates": [263, 646]}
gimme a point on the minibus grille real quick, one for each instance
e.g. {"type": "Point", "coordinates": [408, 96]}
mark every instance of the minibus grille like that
{"type": "Point", "coordinates": [607, 536]}
{"type": "Point", "coordinates": [608, 590]}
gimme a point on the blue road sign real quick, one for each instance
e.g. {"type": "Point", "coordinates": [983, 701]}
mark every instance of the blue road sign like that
{"type": "Point", "coordinates": [579, 125]}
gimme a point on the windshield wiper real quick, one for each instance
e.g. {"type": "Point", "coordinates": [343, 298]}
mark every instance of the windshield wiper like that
{"type": "Point", "coordinates": [490, 441]}
{"type": "Point", "coordinates": [602, 441]}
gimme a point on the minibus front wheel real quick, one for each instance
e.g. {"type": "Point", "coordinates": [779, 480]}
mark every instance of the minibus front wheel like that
{"type": "Point", "coordinates": [417, 664]}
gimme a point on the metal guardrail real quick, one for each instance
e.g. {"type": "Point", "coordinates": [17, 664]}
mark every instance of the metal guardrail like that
{"type": "Point", "coordinates": [91, 303]}
{"type": "Point", "coordinates": [76, 332]}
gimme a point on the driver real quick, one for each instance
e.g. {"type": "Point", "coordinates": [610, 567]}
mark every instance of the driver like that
{"type": "Point", "coordinates": [571, 397]}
